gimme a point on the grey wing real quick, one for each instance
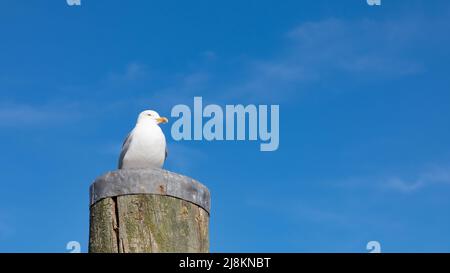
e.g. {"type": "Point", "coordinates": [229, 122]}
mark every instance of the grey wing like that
{"type": "Point", "coordinates": [125, 146]}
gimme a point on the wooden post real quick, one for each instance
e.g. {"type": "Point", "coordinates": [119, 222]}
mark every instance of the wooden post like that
{"type": "Point", "coordinates": [148, 210]}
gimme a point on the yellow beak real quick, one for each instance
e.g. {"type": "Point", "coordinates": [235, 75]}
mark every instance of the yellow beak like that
{"type": "Point", "coordinates": [162, 120]}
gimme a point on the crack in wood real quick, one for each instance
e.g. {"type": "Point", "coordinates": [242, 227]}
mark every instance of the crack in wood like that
{"type": "Point", "coordinates": [116, 227]}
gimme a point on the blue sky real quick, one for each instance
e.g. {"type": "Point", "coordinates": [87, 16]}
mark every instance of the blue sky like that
{"type": "Point", "coordinates": [364, 111]}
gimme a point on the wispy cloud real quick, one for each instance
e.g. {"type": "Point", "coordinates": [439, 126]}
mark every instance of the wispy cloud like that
{"type": "Point", "coordinates": [400, 183]}
{"type": "Point", "coordinates": [22, 115]}
{"type": "Point", "coordinates": [314, 53]}
{"type": "Point", "coordinates": [209, 55]}
{"type": "Point", "coordinates": [117, 84]}
{"type": "Point", "coordinates": [365, 46]}
{"type": "Point", "coordinates": [182, 89]}
{"type": "Point", "coordinates": [312, 56]}
{"type": "Point", "coordinates": [332, 48]}
{"type": "Point", "coordinates": [77, 101]}
{"type": "Point", "coordinates": [295, 209]}
{"type": "Point", "coordinates": [435, 176]}
{"type": "Point", "coordinates": [134, 71]}
{"type": "Point", "coordinates": [343, 216]}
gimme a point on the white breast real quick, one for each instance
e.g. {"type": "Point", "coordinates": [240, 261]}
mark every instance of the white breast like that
{"type": "Point", "coordinates": [146, 148]}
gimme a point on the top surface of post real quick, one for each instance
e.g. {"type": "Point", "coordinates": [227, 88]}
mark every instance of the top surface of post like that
{"type": "Point", "coordinates": [149, 181]}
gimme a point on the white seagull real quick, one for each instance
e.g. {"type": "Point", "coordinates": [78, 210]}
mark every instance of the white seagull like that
{"type": "Point", "coordinates": [145, 145]}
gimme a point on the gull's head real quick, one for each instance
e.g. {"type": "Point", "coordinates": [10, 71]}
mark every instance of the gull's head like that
{"type": "Point", "coordinates": [151, 116]}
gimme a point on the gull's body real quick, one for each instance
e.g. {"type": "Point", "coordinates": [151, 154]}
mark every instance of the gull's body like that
{"type": "Point", "coordinates": [145, 145]}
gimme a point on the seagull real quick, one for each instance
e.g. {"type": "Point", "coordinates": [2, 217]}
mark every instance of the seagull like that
{"type": "Point", "coordinates": [145, 146]}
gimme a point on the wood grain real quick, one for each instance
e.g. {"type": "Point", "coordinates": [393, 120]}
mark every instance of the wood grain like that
{"type": "Point", "coordinates": [148, 223]}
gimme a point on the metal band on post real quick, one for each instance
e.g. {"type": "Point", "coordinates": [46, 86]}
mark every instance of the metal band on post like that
{"type": "Point", "coordinates": [150, 181]}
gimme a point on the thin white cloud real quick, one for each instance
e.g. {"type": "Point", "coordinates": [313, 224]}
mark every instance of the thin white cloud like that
{"type": "Point", "coordinates": [28, 115]}
{"type": "Point", "coordinates": [23, 115]}
{"type": "Point", "coordinates": [435, 176]}
{"type": "Point", "coordinates": [318, 213]}
{"type": "Point", "coordinates": [332, 48]}
{"type": "Point", "coordinates": [312, 54]}
{"type": "Point", "coordinates": [366, 46]}
{"type": "Point", "coordinates": [209, 55]}
{"type": "Point", "coordinates": [404, 183]}
{"type": "Point", "coordinates": [182, 90]}
{"type": "Point", "coordinates": [134, 72]}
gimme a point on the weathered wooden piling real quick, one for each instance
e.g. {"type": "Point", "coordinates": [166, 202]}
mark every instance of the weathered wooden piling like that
{"type": "Point", "coordinates": [148, 210]}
